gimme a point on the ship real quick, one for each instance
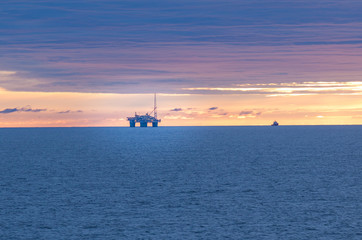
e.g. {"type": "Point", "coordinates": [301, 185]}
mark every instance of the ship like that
{"type": "Point", "coordinates": [145, 119]}
{"type": "Point", "coordinates": [275, 123]}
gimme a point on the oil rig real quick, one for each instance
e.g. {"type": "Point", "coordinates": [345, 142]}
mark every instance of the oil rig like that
{"type": "Point", "coordinates": [145, 119]}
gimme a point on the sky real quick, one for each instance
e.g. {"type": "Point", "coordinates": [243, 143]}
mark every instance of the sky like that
{"type": "Point", "coordinates": [231, 62]}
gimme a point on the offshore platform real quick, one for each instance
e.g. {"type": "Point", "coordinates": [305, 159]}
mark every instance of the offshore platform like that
{"type": "Point", "coordinates": [145, 119]}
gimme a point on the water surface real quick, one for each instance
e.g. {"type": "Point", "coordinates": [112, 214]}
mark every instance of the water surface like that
{"type": "Point", "coordinates": [300, 182]}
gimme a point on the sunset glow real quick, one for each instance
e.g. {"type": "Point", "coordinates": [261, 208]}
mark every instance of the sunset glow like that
{"type": "Point", "coordinates": [233, 63]}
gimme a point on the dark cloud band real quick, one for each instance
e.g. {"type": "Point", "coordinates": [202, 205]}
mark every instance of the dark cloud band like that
{"type": "Point", "coordinates": [24, 109]}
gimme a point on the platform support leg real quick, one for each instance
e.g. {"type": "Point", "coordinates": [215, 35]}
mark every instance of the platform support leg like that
{"type": "Point", "coordinates": [132, 123]}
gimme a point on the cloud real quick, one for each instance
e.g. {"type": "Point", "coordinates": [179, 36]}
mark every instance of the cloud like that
{"type": "Point", "coordinates": [24, 109]}
{"type": "Point", "coordinates": [70, 111]}
{"type": "Point", "coordinates": [160, 48]}
{"type": "Point", "coordinates": [31, 110]}
{"type": "Point", "coordinates": [245, 113]}
{"type": "Point", "coordinates": [5, 73]}
{"type": "Point", "coordinates": [176, 110]}
{"type": "Point", "coordinates": [213, 108]}
{"type": "Point", "coordinates": [291, 89]}
{"type": "Point", "coordinates": [9, 110]}
{"type": "Point", "coordinates": [249, 114]}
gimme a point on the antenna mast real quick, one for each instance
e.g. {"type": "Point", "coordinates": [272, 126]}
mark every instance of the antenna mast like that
{"type": "Point", "coordinates": [155, 107]}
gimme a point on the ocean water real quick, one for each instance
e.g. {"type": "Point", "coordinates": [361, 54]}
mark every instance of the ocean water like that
{"type": "Point", "coordinates": [287, 182]}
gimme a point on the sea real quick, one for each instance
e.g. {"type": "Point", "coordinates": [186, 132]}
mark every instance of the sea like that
{"type": "Point", "coordinates": [262, 182]}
